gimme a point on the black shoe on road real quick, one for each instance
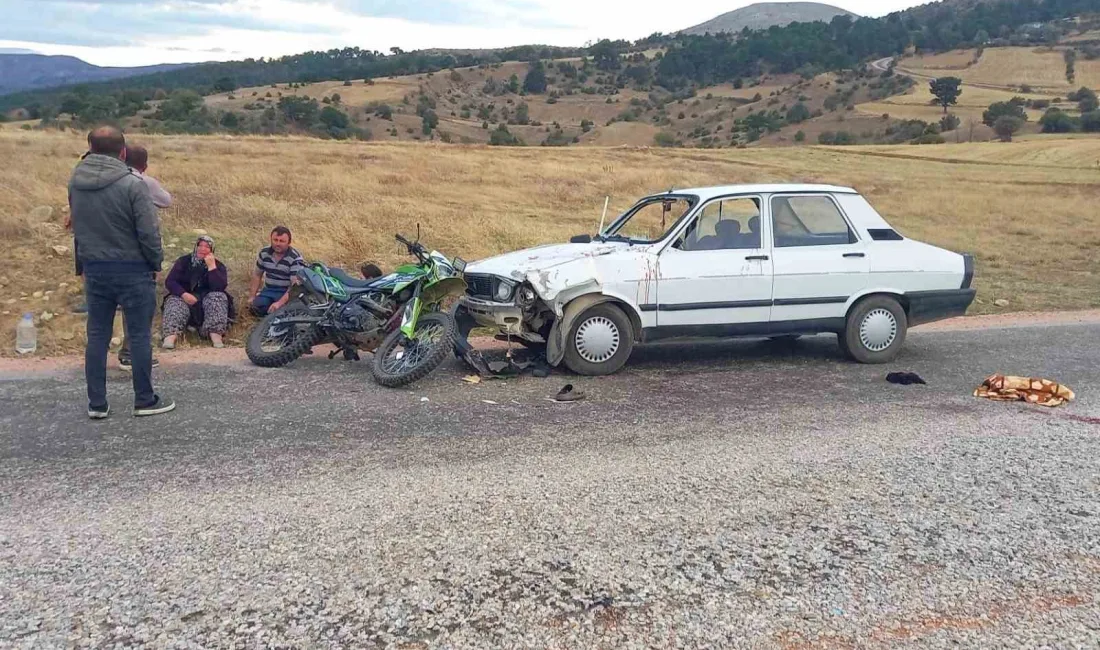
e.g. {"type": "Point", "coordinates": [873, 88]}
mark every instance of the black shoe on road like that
{"type": "Point", "coordinates": [160, 405]}
{"type": "Point", "coordinates": [127, 366]}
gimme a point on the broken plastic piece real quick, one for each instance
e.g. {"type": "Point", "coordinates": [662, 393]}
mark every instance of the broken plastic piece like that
{"type": "Point", "coordinates": [904, 378]}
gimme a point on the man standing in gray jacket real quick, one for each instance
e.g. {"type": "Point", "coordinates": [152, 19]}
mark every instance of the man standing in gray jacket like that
{"type": "Point", "coordinates": [119, 247]}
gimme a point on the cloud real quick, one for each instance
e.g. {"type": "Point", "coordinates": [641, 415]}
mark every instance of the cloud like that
{"type": "Point", "coordinates": [119, 32]}
{"type": "Point", "coordinates": [106, 23]}
{"type": "Point", "coordinates": [454, 12]}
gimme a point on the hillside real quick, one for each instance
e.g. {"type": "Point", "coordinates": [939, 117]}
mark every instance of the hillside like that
{"type": "Point", "coordinates": [20, 72]}
{"type": "Point", "coordinates": [763, 15]}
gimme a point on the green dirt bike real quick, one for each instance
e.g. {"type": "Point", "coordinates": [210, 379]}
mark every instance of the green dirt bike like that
{"type": "Point", "coordinates": [399, 317]}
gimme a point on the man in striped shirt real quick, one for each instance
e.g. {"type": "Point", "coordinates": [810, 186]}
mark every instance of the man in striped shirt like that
{"type": "Point", "coordinates": [275, 266]}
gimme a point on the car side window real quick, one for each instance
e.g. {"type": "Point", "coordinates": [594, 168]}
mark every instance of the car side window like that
{"type": "Point", "coordinates": [724, 224]}
{"type": "Point", "coordinates": [808, 221]}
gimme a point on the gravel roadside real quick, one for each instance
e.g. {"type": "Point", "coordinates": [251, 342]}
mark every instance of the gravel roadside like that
{"type": "Point", "coordinates": [793, 501]}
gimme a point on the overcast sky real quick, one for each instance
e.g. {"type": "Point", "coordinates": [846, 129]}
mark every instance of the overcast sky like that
{"type": "Point", "coordinates": [144, 32]}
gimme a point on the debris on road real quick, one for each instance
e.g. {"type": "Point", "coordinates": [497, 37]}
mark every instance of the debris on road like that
{"type": "Point", "coordinates": [472, 379]}
{"type": "Point", "coordinates": [568, 394]}
{"type": "Point", "coordinates": [1032, 390]}
{"type": "Point", "coordinates": [905, 378]}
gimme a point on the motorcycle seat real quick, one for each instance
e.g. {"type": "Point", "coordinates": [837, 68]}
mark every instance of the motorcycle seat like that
{"type": "Point", "coordinates": [350, 282]}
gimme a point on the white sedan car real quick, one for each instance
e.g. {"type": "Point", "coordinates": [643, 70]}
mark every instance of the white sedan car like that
{"type": "Point", "coordinates": [741, 260]}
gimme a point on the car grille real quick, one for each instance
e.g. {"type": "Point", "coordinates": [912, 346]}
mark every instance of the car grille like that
{"type": "Point", "coordinates": [479, 286]}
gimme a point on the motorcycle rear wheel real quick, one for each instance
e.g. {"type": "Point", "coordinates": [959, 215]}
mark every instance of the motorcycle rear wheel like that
{"type": "Point", "coordinates": [399, 361]}
{"type": "Point", "coordinates": [274, 346]}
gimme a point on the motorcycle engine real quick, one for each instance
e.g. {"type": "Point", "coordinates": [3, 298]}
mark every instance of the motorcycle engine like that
{"type": "Point", "coordinates": [357, 318]}
{"type": "Point", "coordinates": [364, 324]}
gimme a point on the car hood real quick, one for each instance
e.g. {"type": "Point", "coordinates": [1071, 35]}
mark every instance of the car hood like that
{"type": "Point", "coordinates": [519, 264]}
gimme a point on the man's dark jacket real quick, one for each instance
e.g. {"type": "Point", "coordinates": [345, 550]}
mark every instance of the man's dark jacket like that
{"type": "Point", "coordinates": [115, 223]}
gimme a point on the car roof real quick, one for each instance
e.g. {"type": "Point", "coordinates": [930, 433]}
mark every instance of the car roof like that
{"type": "Point", "coordinates": [705, 193]}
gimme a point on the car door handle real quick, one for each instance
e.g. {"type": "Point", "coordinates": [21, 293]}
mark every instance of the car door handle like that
{"type": "Point", "coordinates": [757, 257]}
{"type": "Point", "coordinates": [853, 255]}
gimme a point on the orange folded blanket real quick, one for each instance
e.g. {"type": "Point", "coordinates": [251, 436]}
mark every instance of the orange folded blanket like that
{"type": "Point", "coordinates": [1033, 390]}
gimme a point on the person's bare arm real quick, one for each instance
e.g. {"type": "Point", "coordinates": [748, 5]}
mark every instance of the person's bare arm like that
{"type": "Point", "coordinates": [254, 284]}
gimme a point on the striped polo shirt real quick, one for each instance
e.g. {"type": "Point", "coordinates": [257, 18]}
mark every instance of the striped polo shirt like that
{"type": "Point", "coordinates": [277, 273]}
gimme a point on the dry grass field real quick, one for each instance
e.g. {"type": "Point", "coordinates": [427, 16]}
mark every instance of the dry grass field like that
{"type": "Point", "coordinates": [1041, 68]}
{"type": "Point", "coordinates": [974, 100]}
{"type": "Point", "coordinates": [1027, 209]}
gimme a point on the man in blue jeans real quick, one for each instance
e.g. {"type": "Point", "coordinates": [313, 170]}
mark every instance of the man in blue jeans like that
{"type": "Point", "coordinates": [118, 241]}
{"type": "Point", "coordinates": [275, 268]}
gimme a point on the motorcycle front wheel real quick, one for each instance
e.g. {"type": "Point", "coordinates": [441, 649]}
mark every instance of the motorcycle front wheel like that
{"type": "Point", "coordinates": [272, 344]}
{"type": "Point", "coordinates": [400, 361]}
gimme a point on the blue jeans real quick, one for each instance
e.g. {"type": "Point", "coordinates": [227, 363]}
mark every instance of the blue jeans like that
{"type": "Point", "coordinates": [137, 294]}
{"type": "Point", "coordinates": [268, 295]}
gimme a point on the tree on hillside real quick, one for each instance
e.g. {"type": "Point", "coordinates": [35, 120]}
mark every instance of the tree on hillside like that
{"type": "Point", "coordinates": [225, 85]}
{"type": "Point", "coordinates": [179, 105]}
{"type": "Point", "coordinates": [1086, 100]}
{"type": "Point", "coordinates": [946, 90]}
{"type": "Point", "coordinates": [501, 136]}
{"type": "Point", "coordinates": [1006, 126]}
{"type": "Point", "coordinates": [1070, 56]}
{"type": "Point", "coordinates": [230, 120]}
{"type": "Point", "coordinates": [334, 118]}
{"type": "Point", "coordinates": [535, 81]}
{"type": "Point", "coordinates": [605, 55]}
{"type": "Point", "coordinates": [1013, 108]}
{"type": "Point", "coordinates": [798, 113]}
{"type": "Point", "coordinates": [1090, 122]}
{"type": "Point", "coordinates": [300, 110]}
{"type": "Point", "coordinates": [1056, 121]}
{"type": "Point", "coordinates": [429, 120]}
{"type": "Point", "coordinates": [522, 113]}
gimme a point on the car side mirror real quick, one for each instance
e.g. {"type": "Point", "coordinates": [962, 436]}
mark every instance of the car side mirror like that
{"type": "Point", "coordinates": [580, 239]}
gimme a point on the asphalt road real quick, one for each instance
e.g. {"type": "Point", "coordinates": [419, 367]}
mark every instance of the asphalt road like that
{"type": "Point", "coordinates": [731, 494]}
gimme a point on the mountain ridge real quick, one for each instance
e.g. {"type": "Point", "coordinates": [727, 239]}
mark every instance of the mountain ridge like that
{"type": "Point", "coordinates": [763, 15]}
{"type": "Point", "coordinates": [31, 71]}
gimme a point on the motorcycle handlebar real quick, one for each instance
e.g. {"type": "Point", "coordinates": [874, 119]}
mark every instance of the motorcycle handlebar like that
{"type": "Point", "coordinates": [414, 248]}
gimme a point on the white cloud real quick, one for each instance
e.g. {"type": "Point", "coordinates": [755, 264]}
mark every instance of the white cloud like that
{"type": "Point", "coordinates": [302, 25]}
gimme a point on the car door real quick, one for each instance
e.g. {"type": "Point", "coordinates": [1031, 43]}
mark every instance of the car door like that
{"type": "Point", "coordinates": [818, 260]}
{"type": "Point", "coordinates": [717, 272]}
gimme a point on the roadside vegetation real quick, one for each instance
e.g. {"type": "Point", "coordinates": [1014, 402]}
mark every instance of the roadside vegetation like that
{"type": "Point", "coordinates": [345, 200]}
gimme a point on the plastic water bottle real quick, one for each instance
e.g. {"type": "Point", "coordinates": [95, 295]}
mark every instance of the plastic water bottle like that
{"type": "Point", "coordinates": [26, 335]}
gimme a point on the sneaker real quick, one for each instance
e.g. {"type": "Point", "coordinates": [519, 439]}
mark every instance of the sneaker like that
{"type": "Point", "coordinates": [99, 413]}
{"type": "Point", "coordinates": [161, 405]}
{"type": "Point", "coordinates": [125, 365]}
{"type": "Point", "coordinates": [82, 308]}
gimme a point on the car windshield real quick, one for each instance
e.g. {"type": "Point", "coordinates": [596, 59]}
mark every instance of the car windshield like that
{"type": "Point", "coordinates": [650, 219]}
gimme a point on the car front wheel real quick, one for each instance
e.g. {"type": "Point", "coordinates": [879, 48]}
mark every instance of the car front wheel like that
{"type": "Point", "coordinates": [600, 341]}
{"type": "Point", "coordinates": [875, 330]}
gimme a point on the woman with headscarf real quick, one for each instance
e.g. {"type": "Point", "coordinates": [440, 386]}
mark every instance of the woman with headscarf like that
{"type": "Point", "coordinates": [197, 296]}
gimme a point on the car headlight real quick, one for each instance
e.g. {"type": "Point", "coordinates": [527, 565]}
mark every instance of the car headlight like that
{"type": "Point", "coordinates": [504, 290]}
{"type": "Point", "coordinates": [525, 296]}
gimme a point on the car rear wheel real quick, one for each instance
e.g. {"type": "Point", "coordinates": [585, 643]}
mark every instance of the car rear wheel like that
{"type": "Point", "coordinates": [875, 330]}
{"type": "Point", "coordinates": [600, 341]}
